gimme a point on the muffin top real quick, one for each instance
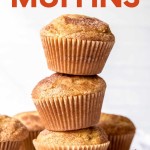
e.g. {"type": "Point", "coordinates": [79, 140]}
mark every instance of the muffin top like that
{"type": "Point", "coordinates": [12, 129]}
{"type": "Point", "coordinates": [88, 136]}
{"type": "Point", "coordinates": [31, 120]}
{"type": "Point", "coordinates": [82, 27]}
{"type": "Point", "coordinates": [116, 124]}
{"type": "Point", "coordinates": [60, 85]}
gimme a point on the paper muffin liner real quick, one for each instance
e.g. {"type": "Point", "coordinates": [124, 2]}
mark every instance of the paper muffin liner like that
{"type": "Point", "coordinates": [40, 146]}
{"type": "Point", "coordinates": [70, 113]}
{"type": "Point", "coordinates": [75, 56]}
{"type": "Point", "coordinates": [27, 144]}
{"type": "Point", "coordinates": [120, 142]}
{"type": "Point", "coordinates": [10, 145]}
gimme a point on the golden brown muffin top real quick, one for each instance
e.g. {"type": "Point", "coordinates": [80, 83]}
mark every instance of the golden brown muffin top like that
{"type": "Point", "coordinates": [12, 129]}
{"type": "Point", "coordinates": [60, 85]}
{"type": "Point", "coordinates": [79, 27]}
{"type": "Point", "coordinates": [31, 120]}
{"type": "Point", "coordinates": [116, 124]}
{"type": "Point", "coordinates": [88, 136]}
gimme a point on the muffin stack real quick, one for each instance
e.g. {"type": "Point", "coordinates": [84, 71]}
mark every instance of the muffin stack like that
{"type": "Point", "coordinates": [69, 102]}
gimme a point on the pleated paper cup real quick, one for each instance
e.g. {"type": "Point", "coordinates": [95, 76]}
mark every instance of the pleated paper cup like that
{"type": "Point", "coordinates": [75, 56]}
{"type": "Point", "coordinates": [120, 142]}
{"type": "Point", "coordinates": [70, 113]}
{"type": "Point", "coordinates": [40, 146]}
{"type": "Point", "coordinates": [27, 144]}
{"type": "Point", "coordinates": [10, 145]}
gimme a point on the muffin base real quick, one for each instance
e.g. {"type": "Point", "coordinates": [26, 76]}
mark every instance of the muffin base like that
{"type": "Point", "coordinates": [27, 144]}
{"type": "Point", "coordinates": [39, 146]}
{"type": "Point", "coordinates": [120, 142]}
{"type": "Point", "coordinates": [75, 56]}
{"type": "Point", "coordinates": [70, 113]}
{"type": "Point", "coordinates": [10, 145]}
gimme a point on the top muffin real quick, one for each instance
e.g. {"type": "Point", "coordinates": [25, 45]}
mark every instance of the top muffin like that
{"type": "Point", "coordinates": [31, 120]}
{"type": "Point", "coordinates": [11, 129]}
{"type": "Point", "coordinates": [60, 85]}
{"type": "Point", "coordinates": [79, 27]}
{"type": "Point", "coordinates": [116, 124]}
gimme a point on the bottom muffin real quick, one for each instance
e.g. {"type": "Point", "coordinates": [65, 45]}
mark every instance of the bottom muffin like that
{"type": "Point", "coordinates": [120, 131]}
{"type": "Point", "coordinates": [93, 138]}
{"type": "Point", "coordinates": [12, 133]}
{"type": "Point", "coordinates": [34, 124]}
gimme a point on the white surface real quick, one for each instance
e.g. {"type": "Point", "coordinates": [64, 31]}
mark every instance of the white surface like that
{"type": "Point", "coordinates": [127, 72]}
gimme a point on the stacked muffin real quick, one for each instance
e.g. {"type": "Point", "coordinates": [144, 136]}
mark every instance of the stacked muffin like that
{"type": "Point", "coordinates": [69, 102]}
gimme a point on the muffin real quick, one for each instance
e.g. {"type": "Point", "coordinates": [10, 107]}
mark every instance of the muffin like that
{"type": "Point", "coordinates": [12, 133]}
{"type": "Point", "coordinates": [67, 102]}
{"type": "Point", "coordinates": [34, 125]}
{"type": "Point", "coordinates": [93, 138]}
{"type": "Point", "coordinates": [77, 44]}
{"type": "Point", "coordinates": [120, 131]}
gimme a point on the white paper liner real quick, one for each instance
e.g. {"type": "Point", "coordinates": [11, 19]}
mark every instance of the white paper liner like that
{"type": "Point", "coordinates": [74, 56]}
{"type": "Point", "coordinates": [70, 113]}
{"type": "Point", "coordinates": [27, 144]}
{"type": "Point", "coordinates": [120, 142]}
{"type": "Point", "coordinates": [40, 146]}
{"type": "Point", "coordinates": [10, 145]}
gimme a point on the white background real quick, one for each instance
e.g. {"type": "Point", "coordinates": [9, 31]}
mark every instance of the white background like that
{"type": "Point", "coordinates": [127, 72]}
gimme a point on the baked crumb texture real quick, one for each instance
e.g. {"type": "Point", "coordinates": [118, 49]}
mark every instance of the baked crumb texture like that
{"type": "Point", "coordinates": [116, 124]}
{"type": "Point", "coordinates": [77, 44]}
{"type": "Point", "coordinates": [61, 85]}
{"type": "Point", "coordinates": [12, 133]}
{"type": "Point", "coordinates": [11, 129]}
{"type": "Point", "coordinates": [67, 102]}
{"type": "Point", "coordinates": [82, 27]}
{"type": "Point", "coordinates": [90, 138]}
{"type": "Point", "coordinates": [31, 120]}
